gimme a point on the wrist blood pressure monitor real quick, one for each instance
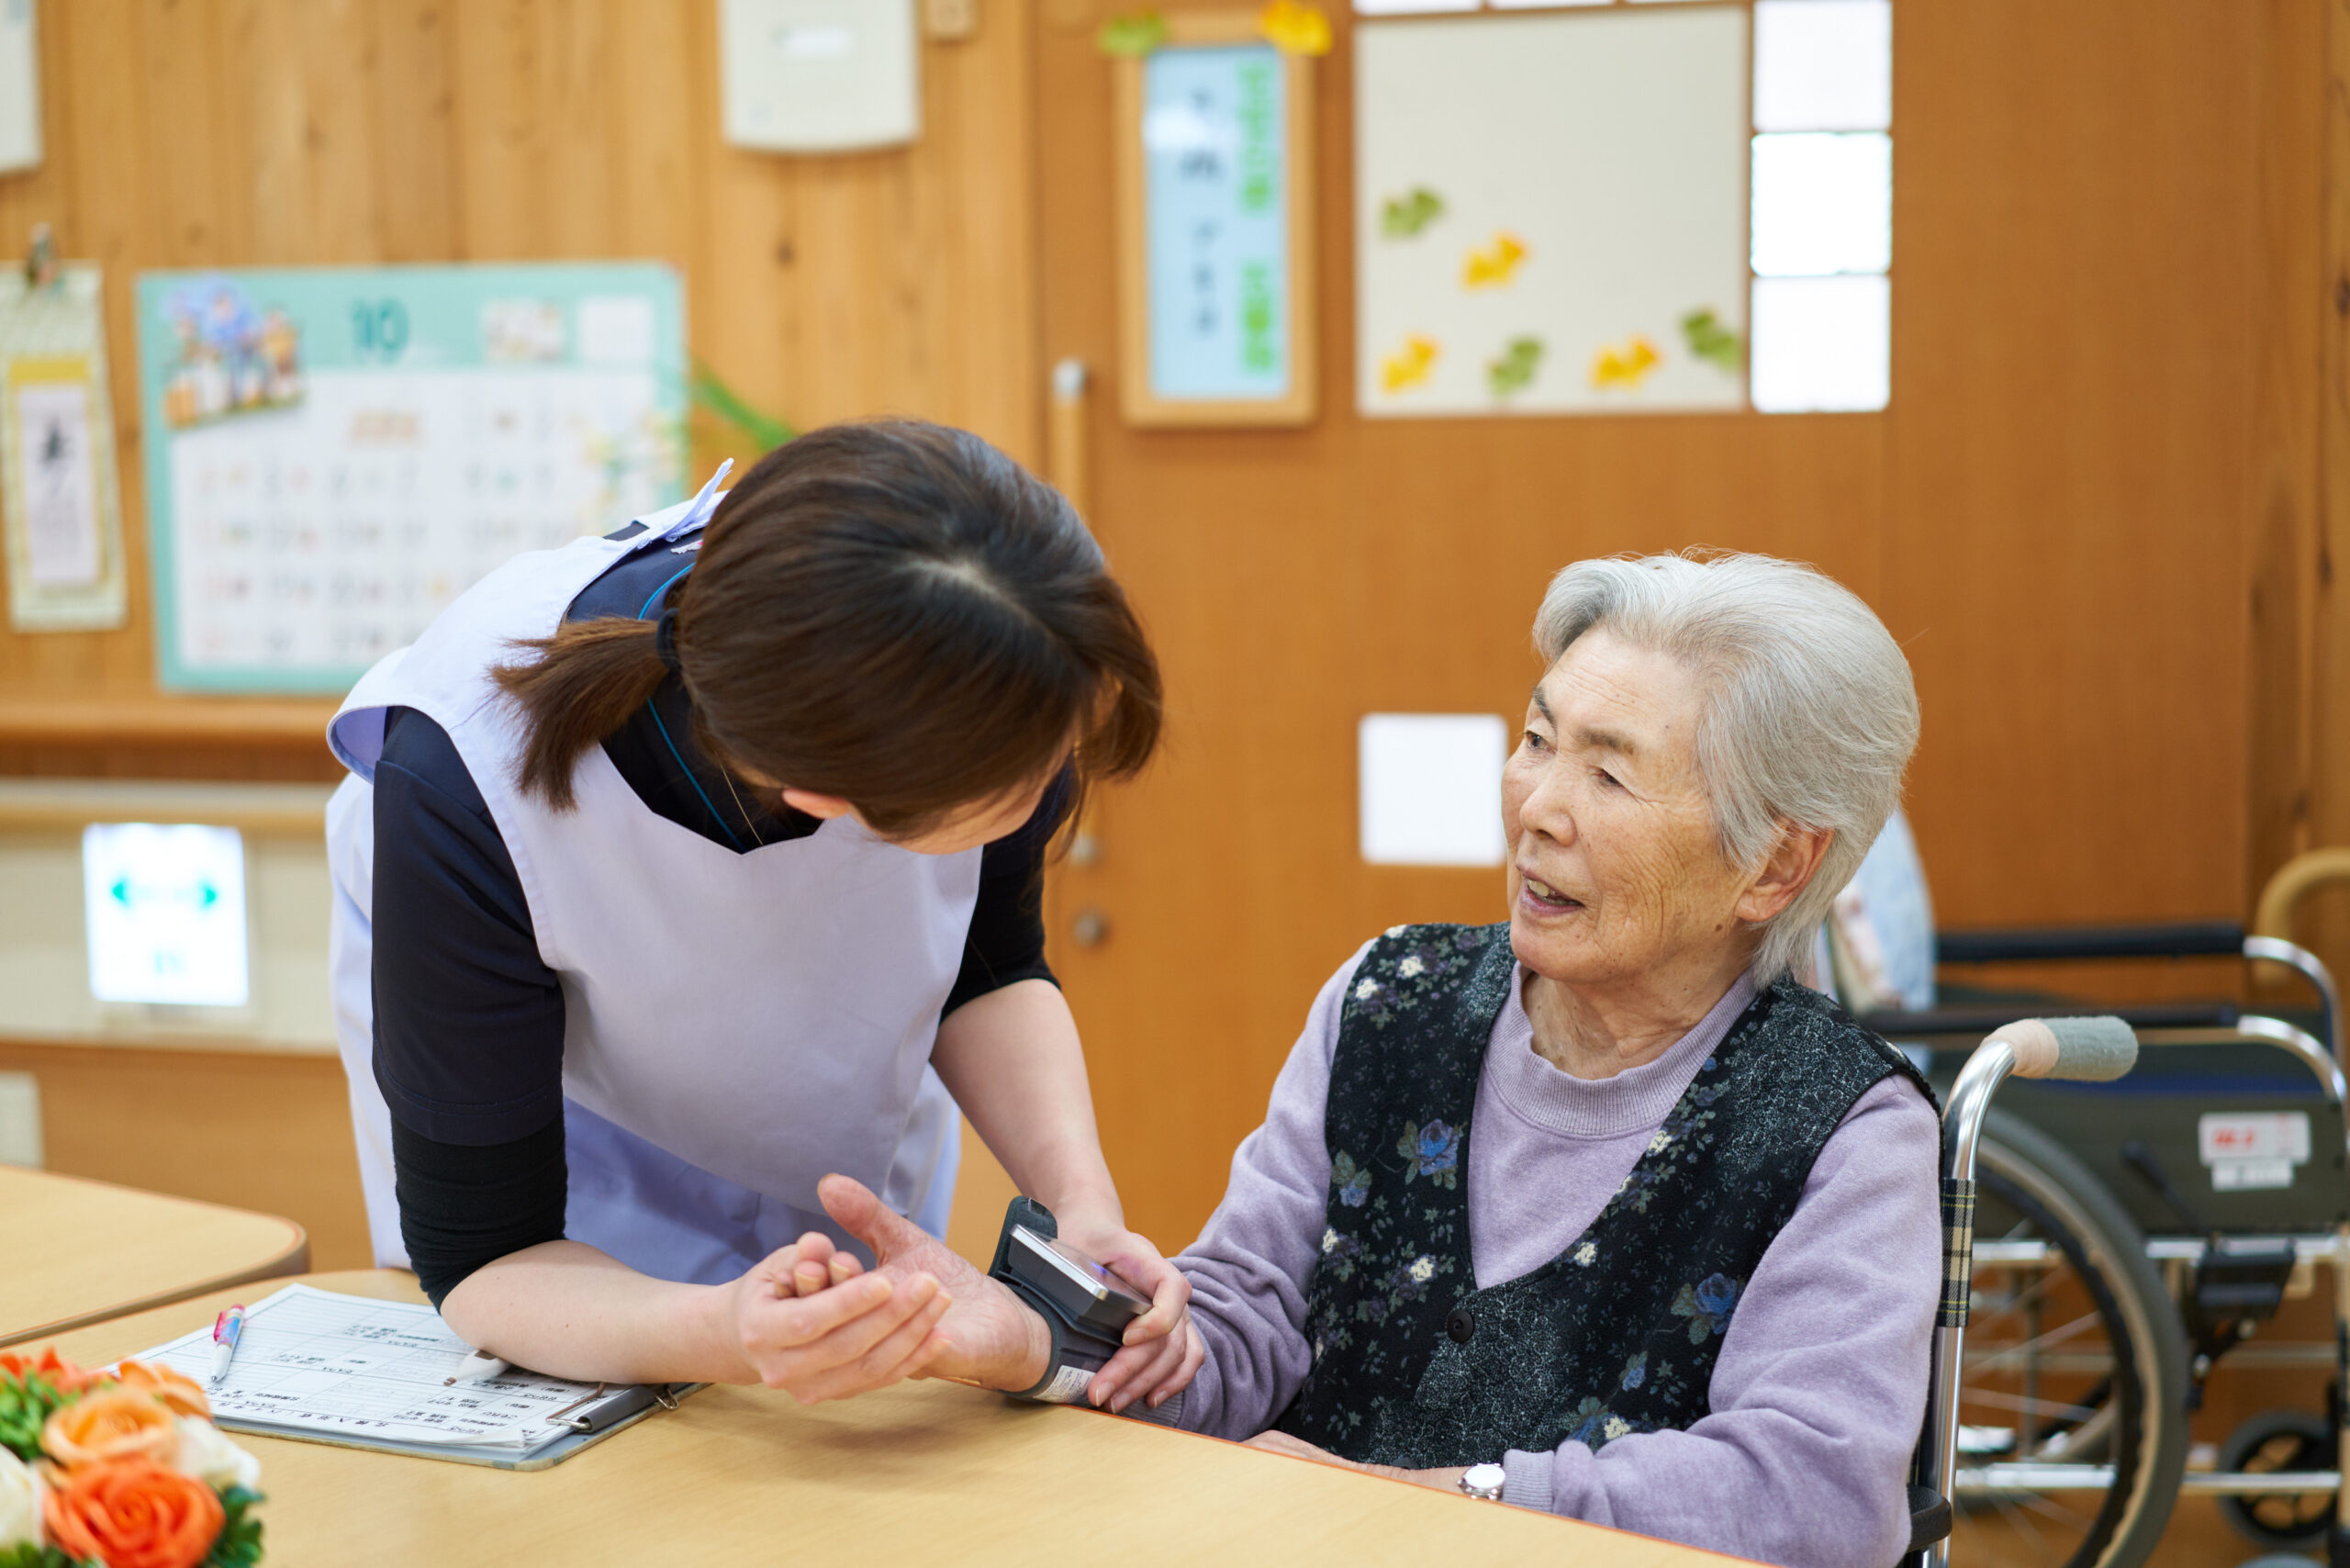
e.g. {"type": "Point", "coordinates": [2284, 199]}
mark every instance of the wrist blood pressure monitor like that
{"type": "Point", "coordinates": [1085, 1306]}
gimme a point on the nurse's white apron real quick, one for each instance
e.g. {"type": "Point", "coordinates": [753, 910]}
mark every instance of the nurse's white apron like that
{"type": "Point", "coordinates": [736, 1026]}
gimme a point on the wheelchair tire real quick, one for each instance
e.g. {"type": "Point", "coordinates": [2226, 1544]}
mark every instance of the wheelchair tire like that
{"type": "Point", "coordinates": [2280, 1440]}
{"type": "Point", "coordinates": [2120, 1353]}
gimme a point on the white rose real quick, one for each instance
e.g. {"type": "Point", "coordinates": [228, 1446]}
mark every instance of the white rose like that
{"type": "Point", "coordinates": [19, 1501]}
{"type": "Point", "coordinates": [1424, 1269]}
{"type": "Point", "coordinates": [208, 1454]}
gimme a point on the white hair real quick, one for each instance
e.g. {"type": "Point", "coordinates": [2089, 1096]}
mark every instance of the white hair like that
{"type": "Point", "coordinates": [1808, 715]}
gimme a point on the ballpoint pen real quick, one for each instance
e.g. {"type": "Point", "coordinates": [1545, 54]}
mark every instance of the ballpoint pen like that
{"type": "Point", "coordinates": [226, 1331]}
{"type": "Point", "coordinates": [475, 1368]}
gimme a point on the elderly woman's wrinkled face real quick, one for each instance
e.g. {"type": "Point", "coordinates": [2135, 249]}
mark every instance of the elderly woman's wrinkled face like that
{"type": "Point", "coordinates": [1615, 868]}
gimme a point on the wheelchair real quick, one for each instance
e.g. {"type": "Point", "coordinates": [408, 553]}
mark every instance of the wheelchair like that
{"type": "Point", "coordinates": [2130, 1239]}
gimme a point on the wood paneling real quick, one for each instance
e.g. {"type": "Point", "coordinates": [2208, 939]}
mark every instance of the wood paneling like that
{"type": "Point", "coordinates": [299, 132]}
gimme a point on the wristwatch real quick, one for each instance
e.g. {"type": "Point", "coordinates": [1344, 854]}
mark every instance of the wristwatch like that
{"type": "Point", "coordinates": [1483, 1480]}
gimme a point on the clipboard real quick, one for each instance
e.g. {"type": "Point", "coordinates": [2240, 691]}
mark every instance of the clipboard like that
{"type": "Point", "coordinates": [352, 1372]}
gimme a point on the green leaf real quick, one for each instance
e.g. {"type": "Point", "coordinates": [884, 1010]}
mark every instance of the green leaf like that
{"type": "Point", "coordinates": [1133, 36]}
{"type": "Point", "coordinates": [239, 1542]}
{"type": "Point", "coordinates": [25, 1406]}
{"type": "Point", "coordinates": [25, 1554]}
{"type": "Point", "coordinates": [764, 431]}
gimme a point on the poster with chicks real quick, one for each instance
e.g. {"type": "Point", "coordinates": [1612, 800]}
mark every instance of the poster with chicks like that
{"type": "Point", "coordinates": [1552, 212]}
{"type": "Point", "coordinates": [335, 453]}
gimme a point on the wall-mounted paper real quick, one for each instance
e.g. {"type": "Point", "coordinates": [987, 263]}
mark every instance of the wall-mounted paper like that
{"type": "Point", "coordinates": [19, 87]}
{"type": "Point", "coordinates": [1573, 180]}
{"type": "Point", "coordinates": [58, 486]}
{"type": "Point", "coordinates": [819, 75]}
{"type": "Point", "coordinates": [165, 907]}
{"type": "Point", "coordinates": [1218, 217]}
{"type": "Point", "coordinates": [1431, 788]}
{"type": "Point", "coordinates": [334, 453]}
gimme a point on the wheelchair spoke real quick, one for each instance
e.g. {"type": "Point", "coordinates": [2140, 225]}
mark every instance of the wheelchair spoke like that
{"type": "Point", "coordinates": [2028, 1403]}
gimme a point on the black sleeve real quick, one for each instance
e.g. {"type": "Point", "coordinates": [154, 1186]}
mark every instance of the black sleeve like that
{"type": "Point", "coordinates": [464, 1206]}
{"type": "Point", "coordinates": [1007, 938]}
{"type": "Point", "coordinates": [468, 1019]}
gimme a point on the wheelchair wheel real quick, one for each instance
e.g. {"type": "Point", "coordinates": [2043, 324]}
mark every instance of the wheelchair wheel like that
{"type": "Point", "coordinates": [2076, 1369]}
{"type": "Point", "coordinates": [2275, 1441]}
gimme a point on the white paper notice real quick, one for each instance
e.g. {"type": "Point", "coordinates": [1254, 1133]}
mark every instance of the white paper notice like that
{"type": "Point", "coordinates": [311, 1360]}
{"type": "Point", "coordinates": [58, 500]}
{"type": "Point", "coordinates": [1431, 788]}
{"type": "Point", "coordinates": [61, 498]}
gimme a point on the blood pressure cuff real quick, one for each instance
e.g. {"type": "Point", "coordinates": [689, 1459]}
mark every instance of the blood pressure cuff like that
{"type": "Point", "coordinates": [1079, 1352]}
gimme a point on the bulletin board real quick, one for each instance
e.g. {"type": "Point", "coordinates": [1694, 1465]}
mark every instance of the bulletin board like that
{"type": "Point", "coordinates": [1551, 212]}
{"type": "Point", "coordinates": [335, 453]}
{"type": "Point", "coordinates": [1216, 226]}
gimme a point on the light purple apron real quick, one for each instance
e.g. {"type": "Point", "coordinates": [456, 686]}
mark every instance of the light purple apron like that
{"type": "Point", "coordinates": [736, 1026]}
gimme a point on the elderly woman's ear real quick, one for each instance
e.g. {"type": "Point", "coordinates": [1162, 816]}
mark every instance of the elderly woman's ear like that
{"type": "Point", "coordinates": [1792, 864]}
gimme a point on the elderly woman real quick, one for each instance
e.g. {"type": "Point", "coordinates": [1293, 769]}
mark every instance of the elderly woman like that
{"type": "Point", "coordinates": [1606, 1196]}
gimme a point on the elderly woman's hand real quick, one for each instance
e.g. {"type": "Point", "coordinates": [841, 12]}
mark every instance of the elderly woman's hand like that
{"type": "Point", "coordinates": [992, 1338]}
{"type": "Point", "coordinates": [1162, 1350]}
{"type": "Point", "coordinates": [1444, 1478]}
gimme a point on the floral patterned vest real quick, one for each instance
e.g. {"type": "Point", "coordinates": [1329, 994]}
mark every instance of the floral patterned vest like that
{"type": "Point", "coordinates": [1412, 1364]}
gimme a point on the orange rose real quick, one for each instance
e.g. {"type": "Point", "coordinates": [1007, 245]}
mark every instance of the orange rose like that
{"type": "Point", "coordinates": [113, 1423]}
{"type": "Point", "coordinates": [63, 1375]}
{"type": "Point", "coordinates": [134, 1514]}
{"type": "Point", "coordinates": [180, 1396]}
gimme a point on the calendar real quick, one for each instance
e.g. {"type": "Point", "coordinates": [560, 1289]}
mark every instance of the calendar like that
{"type": "Point", "coordinates": [333, 454]}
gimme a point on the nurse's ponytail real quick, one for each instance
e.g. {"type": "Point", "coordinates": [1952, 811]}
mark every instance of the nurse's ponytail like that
{"type": "Point", "coordinates": [590, 677]}
{"type": "Point", "coordinates": [891, 612]}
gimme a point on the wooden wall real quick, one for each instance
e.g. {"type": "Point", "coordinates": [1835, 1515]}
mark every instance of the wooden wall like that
{"type": "Point", "coordinates": [185, 133]}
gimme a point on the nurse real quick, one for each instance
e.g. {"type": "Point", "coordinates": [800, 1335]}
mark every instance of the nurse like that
{"type": "Point", "coordinates": [679, 868]}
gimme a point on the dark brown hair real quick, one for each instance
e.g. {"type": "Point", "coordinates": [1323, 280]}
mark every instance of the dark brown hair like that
{"type": "Point", "coordinates": [892, 612]}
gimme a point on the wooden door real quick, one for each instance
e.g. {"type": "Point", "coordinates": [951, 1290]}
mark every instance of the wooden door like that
{"type": "Point", "coordinates": [2016, 528]}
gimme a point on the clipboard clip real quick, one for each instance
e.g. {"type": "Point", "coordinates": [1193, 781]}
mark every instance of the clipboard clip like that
{"type": "Point", "coordinates": [616, 1406]}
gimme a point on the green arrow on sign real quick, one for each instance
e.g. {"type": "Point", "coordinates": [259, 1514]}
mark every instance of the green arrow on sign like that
{"type": "Point", "coordinates": [121, 891]}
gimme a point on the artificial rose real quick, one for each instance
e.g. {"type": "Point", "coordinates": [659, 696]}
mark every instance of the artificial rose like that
{"type": "Point", "coordinates": [20, 1492]}
{"type": "Point", "coordinates": [180, 1396]}
{"type": "Point", "coordinates": [55, 1369]}
{"type": "Point", "coordinates": [113, 1423]}
{"type": "Point", "coordinates": [206, 1452]}
{"type": "Point", "coordinates": [134, 1513]}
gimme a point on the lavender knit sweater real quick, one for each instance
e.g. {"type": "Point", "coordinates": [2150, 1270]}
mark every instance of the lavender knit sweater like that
{"type": "Point", "coordinates": [1820, 1391]}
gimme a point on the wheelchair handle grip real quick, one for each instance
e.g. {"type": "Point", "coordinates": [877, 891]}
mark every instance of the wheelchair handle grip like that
{"type": "Point", "coordinates": [2096, 1049]}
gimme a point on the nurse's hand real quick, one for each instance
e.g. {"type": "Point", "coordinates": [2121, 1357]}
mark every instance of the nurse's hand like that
{"type": "Point", "coordinates": [992, 1338]}
{"type": "Point", "coordinates": [809, 1321]}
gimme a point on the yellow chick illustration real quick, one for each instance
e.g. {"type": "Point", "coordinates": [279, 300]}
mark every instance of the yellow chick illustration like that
{"type": "Point", "coordinates": [1494, 266]}
{"type": "Point", "coordinates": [1409, 368]}
{"type": "Point", "coordinates": [1295, 28]}
{"type": "Point", "coordinates": [1627, 367]}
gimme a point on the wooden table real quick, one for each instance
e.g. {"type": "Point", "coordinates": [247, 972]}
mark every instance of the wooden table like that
{"type": "Point", "coordinates": [74, 1251]}
{"type": "Point", "coordinates": [923, 1473]}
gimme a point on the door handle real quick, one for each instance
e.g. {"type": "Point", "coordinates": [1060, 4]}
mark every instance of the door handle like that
{"type": "Point", "coordinates": [1090, 927]}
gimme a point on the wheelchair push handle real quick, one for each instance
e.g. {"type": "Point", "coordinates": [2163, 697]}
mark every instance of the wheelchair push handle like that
{"type": "Point", "coordinates": [2096, 1049]}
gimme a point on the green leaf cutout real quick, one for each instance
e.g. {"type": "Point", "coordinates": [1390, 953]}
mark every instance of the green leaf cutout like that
{"type": "Point", "coordinates": [1711, 341]}
{"type": "Point", "coordinates": [1132, 37]}
{"type": "Point", "coordinates": [1401, 217]}
{"type": "Point", "coordinates": [1515, 370]}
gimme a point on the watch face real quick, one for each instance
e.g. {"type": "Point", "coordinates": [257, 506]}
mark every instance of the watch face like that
{"type": "Point", "coordinates": [1484, 1480]}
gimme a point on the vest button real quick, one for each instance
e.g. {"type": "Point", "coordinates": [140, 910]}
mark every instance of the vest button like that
{"type": "Point", "coordinates": [1458, 1323]}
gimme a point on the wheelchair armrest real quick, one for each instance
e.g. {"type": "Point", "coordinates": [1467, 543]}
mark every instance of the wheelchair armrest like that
{"type": "Point", "coordinates": [2179, 939]}
{"type": "Point", "coordinates": [1930, 1517]}
{"type": "Point", "coordinates": [1974, 1022]}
